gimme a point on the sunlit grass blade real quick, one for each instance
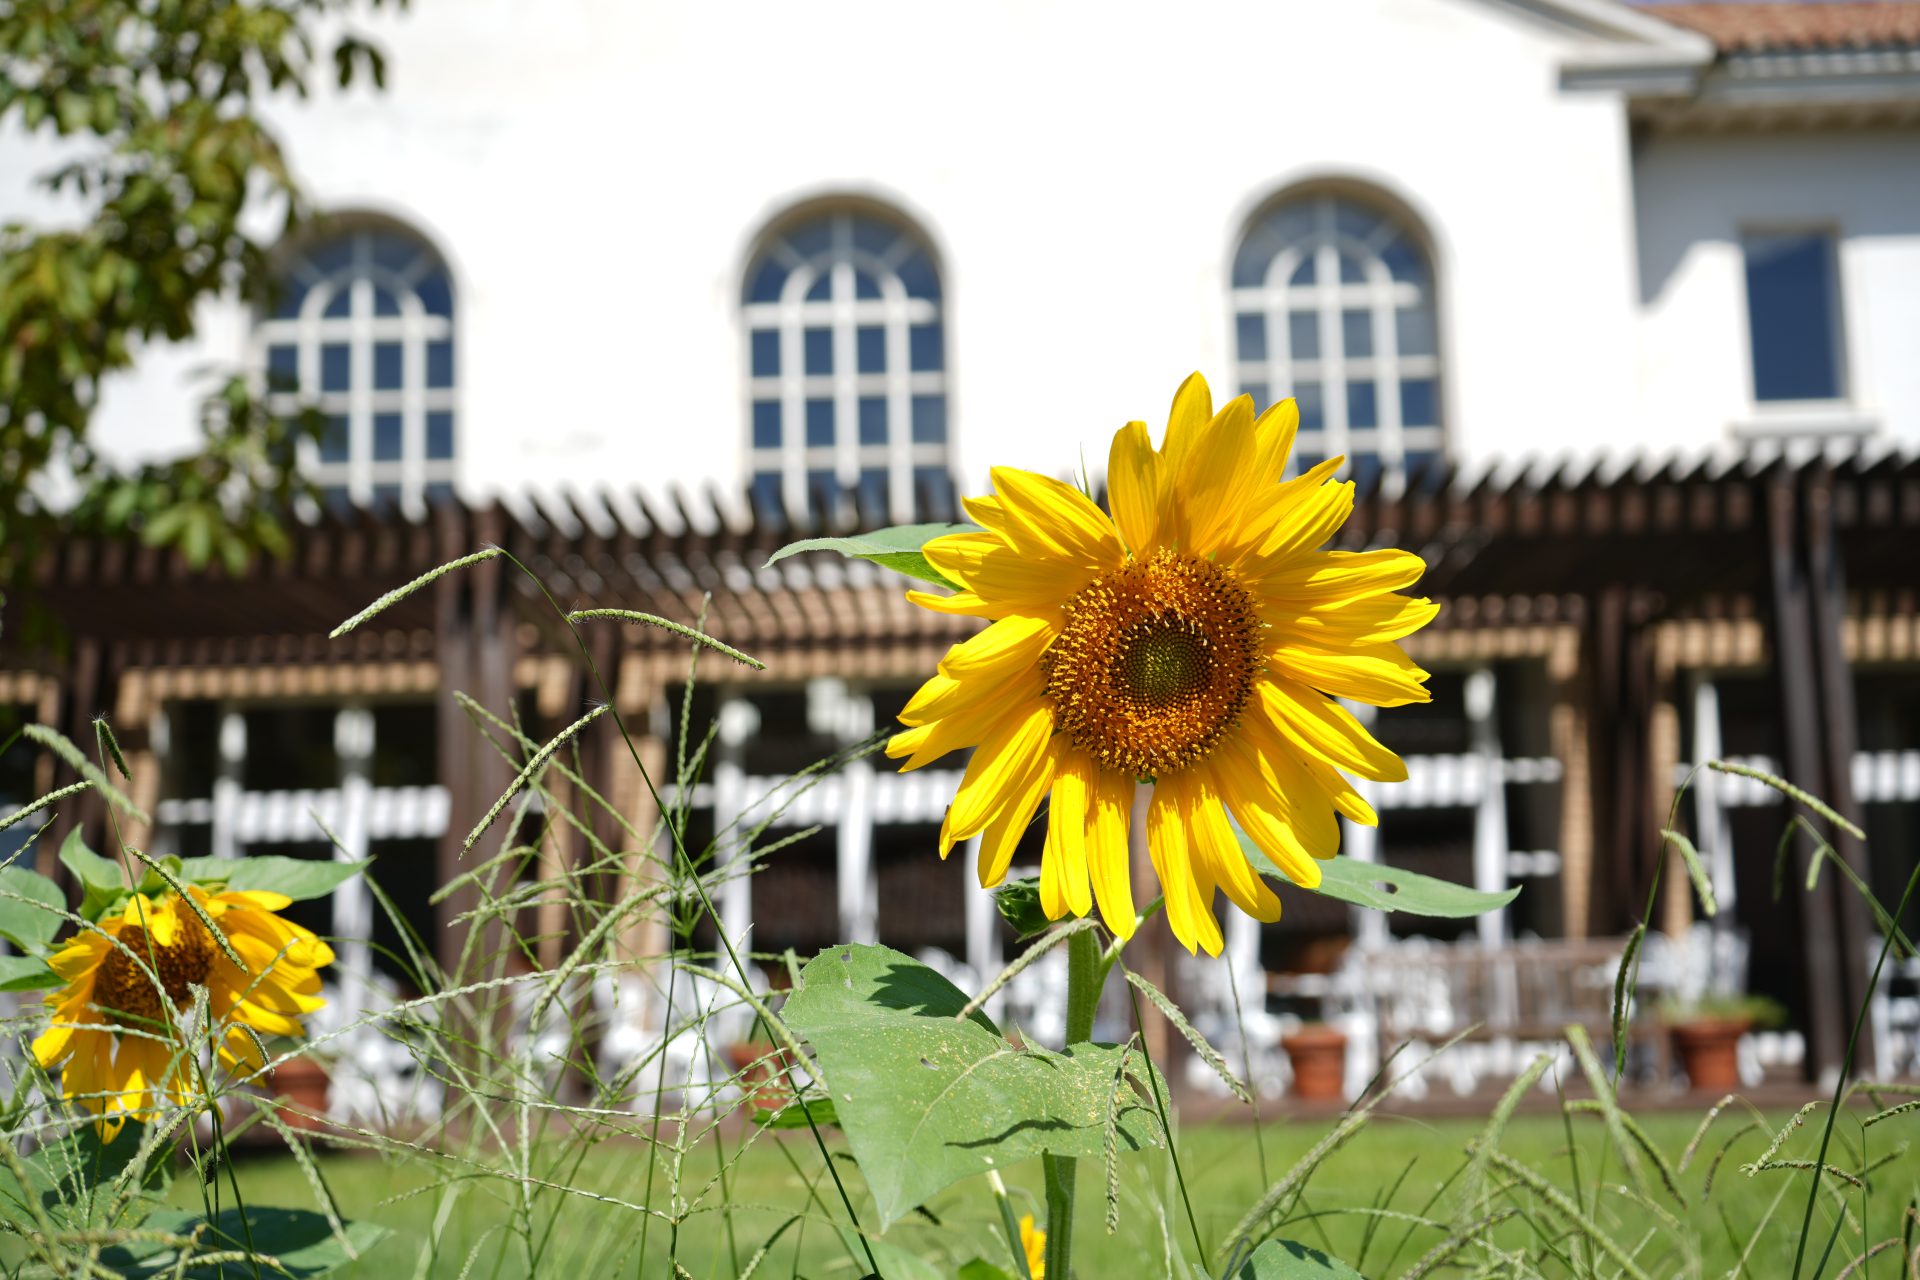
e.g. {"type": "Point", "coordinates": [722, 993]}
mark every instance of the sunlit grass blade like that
{"type": "Point", "coordinates": [398, 594]}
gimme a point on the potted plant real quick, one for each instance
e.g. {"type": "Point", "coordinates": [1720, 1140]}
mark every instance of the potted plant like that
{"type": "Point", "coordinates": [304, 1083]}
{"type": "Point", "coordinates": [1706, 1036]}
{"type": "Point", "coordinates": [761, 1068]}
{"type": "Point", "coordinates": [1318, 1053]}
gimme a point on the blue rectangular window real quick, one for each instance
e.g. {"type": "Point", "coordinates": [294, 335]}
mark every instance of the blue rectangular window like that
{"type": "Point", "coordinates": [283, 368]}
{"type": "Point", "coordinates": [1793, 317]}
{"type": "Point", "coordinates": [1356, 333]}
{"type": "Point", "coordinates": [336, 367]}
{"type": "Point", "coordinates": [766, 424]}
{"type": "Point", "coordinates": [925, 353]}
{"type": "Point", "coordinates": [386, 437]}
{"type": "Point", "coordinates": [386, 497]}
{"type": "Point", "coordinates": [929, 419]}
{"type": "Point", "coordinates": [820, 423]}
{"type": "Point", "coordinates": [1419, 403]}
{"type": "Point", "coordinates": [766, 353]}
{"type": "Point", "coordinates": [439, 436]}
{"type": "Point", "coordinates": [386, 366]}
{"type": "Point", "coordinates": [873, 420]}
{"type": "Point", "coordinates": [823, 490]}
{"type": "Point", "coordinates": [440, 364]}
{"type": "Point", "coordinates": [1258, 390]}
{"type": "Point", "coordinates": [1313, 413]}
{"type": "Point", "coordinates": [1250, 335]}
{"type": "Point", "coordinates": [336, 440]}
{"type": "Point", "coordinates": [872, 350]}
{"type": "Point", "coordinates": [766, 492]}
{"type": "Point", "coordinates": [1303, 334]}
{"type": "Point", "coordinates": [933, 490]}
{"type": "Point", "coordinates": [1363, 408]}
{"type": "Point", "coordinates": [819, 351]}
{"type": "Point", "coordinates": [873, 492]}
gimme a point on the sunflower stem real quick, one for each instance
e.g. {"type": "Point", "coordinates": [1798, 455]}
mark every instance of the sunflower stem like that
{"type": "Point", "coordinates": [1086, 974]}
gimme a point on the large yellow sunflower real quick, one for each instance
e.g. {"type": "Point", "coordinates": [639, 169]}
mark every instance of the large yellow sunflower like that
{"type": "Point", "coordinates": [1195, 638]}
{"type": "Point", "coordinates": [116, 1031]}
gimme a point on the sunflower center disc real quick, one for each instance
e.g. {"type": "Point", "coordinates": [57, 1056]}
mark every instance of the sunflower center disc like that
{"type": "Point", "coordinates": [1155, 663]}
{"type": "Point", "coordinates": [125, 988]}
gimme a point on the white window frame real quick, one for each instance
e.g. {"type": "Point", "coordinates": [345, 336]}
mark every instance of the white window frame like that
{"type": "Point", "coordinates": [1381, 297]}
{"type": "Point", "coordinates": [414, 328]}
{"type": "Point", "coordinates": [895, 313]}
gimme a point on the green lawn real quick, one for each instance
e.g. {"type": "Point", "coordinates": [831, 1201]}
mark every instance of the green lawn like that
{"type": "Point", "coordinates": [482, 1226]}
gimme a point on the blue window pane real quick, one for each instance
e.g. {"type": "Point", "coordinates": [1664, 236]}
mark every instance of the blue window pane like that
{"type": "Point", "coordinates": [766, 424]}
{"type": "Point", "coordinates": [819, 351]}
{"type": "Point", "coordinates": [1790, 314]}
{"type": "Point", "coordinates": [385, 497]}
{"type": "Point", "coordinates": [283, 368]}
{"type": "Point", "coordinates": [822, 489]}
{"type": "Point", "coordinates": [865, 286]}
{"type": "Point", "coordinates": [438, 492]}
{"type": "Point", "coordinates": [1354, 220]}
{"type": "Point", "coordinates": [1419, 402]}
{"type": "Point", "coordinates": [819, 423]}
{"type": "Point", "coordinates": [873, 237]}
{"type": "Point", "coordinates": [873, 491]}
{"type": "Point", "coordinates": [384, 303]}
{"type": "Point", "coordinates": [386, 366]}
{"type": "Point", "coordinates": [871, 350]}
{"type": "Point", "coordinates": [1364, 470]}
{"type": "Point", "coordinates": [764, 284]}
{"type": "Point", "coordinates": [813, 238]}
{"type": "Point", "coordinates": [1303, 332]}
{"type": "Point", "coordinates": [822, 288]}
{"type": "Point", "coordinates": [340, 304]}
{"type": "Point", "coordinates": [1259, 392]}
{"type": "Point", "coordinates": [1313, 414]}
{"type": "Point", "coordinates": [873, 420]}
{"type": "Point", "coordinates": [439, 436]}
{"type": "Point", "coordinates": [335, 498]}
{"type": "Point", "coordinates": [1356, 333]}
{"type": "Point", "coordinates": [766, 353]}
{"type": "Point", "coordinates": [924, 349]}
{"type": "Point", "coordinates": [1413, 330]}
{"type": "Point", "coordinates": [386, 437]}
{"type": "Point", "coordinates": [394, 253]}
{"type": "Point", "coordinates": [1257, 252]}
{"type": "Point", "coordinates": [440, 364]}
{"type": "Point", "coordinates": [335, 255]}
{"type": "Point", "coordinates": [766, 492]}
{"type": "Point", "coordinates": [292, 294]}
{"type": "Point", "coordinates": [1305, 460]}
{"type": "Point", "coordinates": [1304, 273]}
{"type": "Point", "coordinates": [1420, 460]}
{"type": "Point", "coordinates": [917, 274]}
{"type": "Point", "coordinates": [933, 490]}
{"type": "Point", "coordinates": [436, 294]}
{"type": "Point", "coordinates": [336, 440]}
{"type": "Point", "coordinates": [1405, 263]}
{"type": "Point", "coordinates": [929, 419]}
{"type": "Point", "coordinates": [1363, 409]}
{"type": "Point", "coordinates": [1250, 337]}
{"type": "Point", "coordinates": [1350, 270]}
{"type": "Point", "coordinates": [336, 367]}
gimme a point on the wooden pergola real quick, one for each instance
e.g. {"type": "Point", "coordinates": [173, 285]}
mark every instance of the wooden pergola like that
{"type": "Point", "coordinates": [1614, 578]}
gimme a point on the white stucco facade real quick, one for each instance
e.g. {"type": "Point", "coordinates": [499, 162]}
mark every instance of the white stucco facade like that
{"type": "Point", "coordinates": [598, 174]}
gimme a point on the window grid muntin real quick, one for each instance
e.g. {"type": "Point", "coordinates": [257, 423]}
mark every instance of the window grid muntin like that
{"type": "Point", "coordinates": [843, 313]}
{"type": "Point", "coordinates": [414, 329]}
{"type": "Point", "coordinates": [1327, 297]}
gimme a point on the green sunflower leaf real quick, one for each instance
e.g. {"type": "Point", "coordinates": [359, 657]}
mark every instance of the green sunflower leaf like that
{"type": "Point", "coordinates": [297, 878]}
{"type": "Point", "coordinates": [896, 548]}
{"type": "Point", "coordinates": [26, 973]}
{"type": "Point", "coordinates": [301, 1242]}
{"type": "Point", "coordinates": [31, 908]}
{"type": "Point", "coordinates": [1291, 1260]}
{"type": "Point", "coordinates": [101, 879]}
{"type": "Point", "coordinates": [1386, 888]}
{"type": "Point", "coordinates": [926, 1098]}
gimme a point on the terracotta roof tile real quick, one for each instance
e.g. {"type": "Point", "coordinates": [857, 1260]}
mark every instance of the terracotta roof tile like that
{"type": "Point", "coordinates": [1786, 26]}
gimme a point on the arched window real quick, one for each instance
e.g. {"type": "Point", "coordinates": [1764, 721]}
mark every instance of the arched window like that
{"type": "Point", "coordinates": [362, 327]}
{"type": "Point", "coordinates": [846, 368]}
{"type": "Point", "coordinates": [1333, 304]}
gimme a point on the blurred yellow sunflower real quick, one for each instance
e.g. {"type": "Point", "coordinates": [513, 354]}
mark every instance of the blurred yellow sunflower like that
{"type": "Point", "coordinates": [1195, 637]}
{"type": "Point", "coordinates": [1034, 1242]}
{"type": "Point", "coordinates": [114, 1031]}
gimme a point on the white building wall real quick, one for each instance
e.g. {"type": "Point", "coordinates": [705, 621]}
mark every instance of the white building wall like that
{"type": "Point", "coordinates": [596, 173]}
{"type": "Point", "coordinates": [1696, 194]}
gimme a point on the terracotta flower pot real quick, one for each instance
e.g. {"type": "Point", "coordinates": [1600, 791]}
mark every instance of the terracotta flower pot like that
{"type": "Point", "coordinates": [1709, 1051]}
{"type": "Point", "coordinates": [762, 1073]}
{"type": "Point", "coordinates": [1319, 1057]}
{"type": "Point", "coordinates": [304, 1084]}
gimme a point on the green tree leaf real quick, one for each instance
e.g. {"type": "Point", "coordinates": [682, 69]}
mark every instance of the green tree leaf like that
{"type": "Point", "coordinates": [926, 1099]}
{"type": "Point", "coordinates": [29, 924]}
{"type": "Point", "coordinates": [896, 548]}
{"type": "Point", "coordinates": [1386, 888]}
{"type": "Point", "coordinates": [1291, 1260]}
{"type": "Point", "coordinates": [298, 878]}
{"type": "Point", "coordinates": [26, 973]}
